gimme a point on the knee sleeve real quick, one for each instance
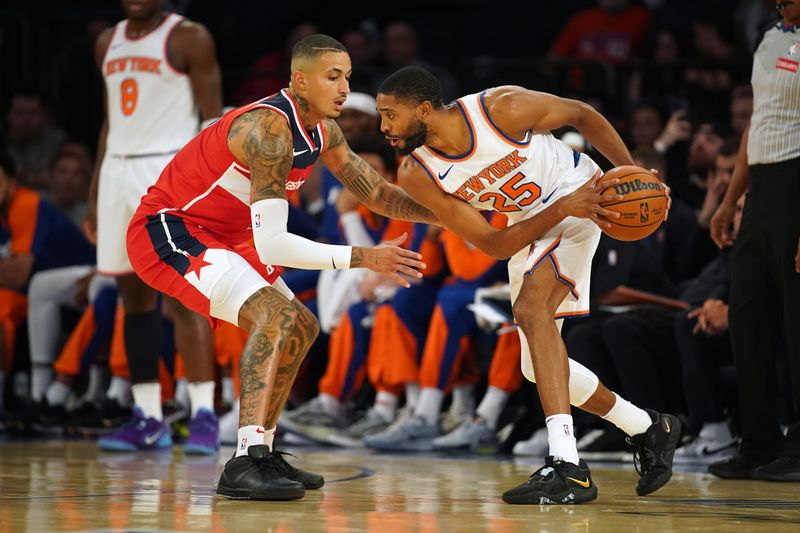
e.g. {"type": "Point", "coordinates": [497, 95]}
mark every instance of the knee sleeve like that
{"type": "Point", "coordinates": [582, 381]}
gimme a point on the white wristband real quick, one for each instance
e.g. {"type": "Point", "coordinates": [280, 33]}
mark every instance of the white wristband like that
{"type": "Point", "coordinates": [276, 246]}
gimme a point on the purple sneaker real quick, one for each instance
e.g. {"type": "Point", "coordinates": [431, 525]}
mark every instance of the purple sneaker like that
{"type": "Point", "coordinates": [203, 434]}
{"type": "Point", "coordinates": [138, 433]}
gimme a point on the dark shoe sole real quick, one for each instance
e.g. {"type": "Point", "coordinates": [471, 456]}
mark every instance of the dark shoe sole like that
{"type": "Point", "coordinates": [562, 498]}
{"type": "Point", "coordinates": [672, 443]}
{"type": "Point", "coordinates": [268, 495]}
{"type": "Point", "coordinates": [748, 473]}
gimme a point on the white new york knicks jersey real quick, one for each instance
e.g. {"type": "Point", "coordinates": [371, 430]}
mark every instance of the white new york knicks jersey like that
{"type": "Point", "coordinates": [151, 106]}
{"type": "Point", "coordinates": [503, 174]}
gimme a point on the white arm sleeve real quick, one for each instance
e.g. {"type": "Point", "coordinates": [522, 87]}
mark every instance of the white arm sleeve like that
{"type": "Point", "coordinates": [276, 246]}
{"type": "Point", "coordinates": [354, 231]}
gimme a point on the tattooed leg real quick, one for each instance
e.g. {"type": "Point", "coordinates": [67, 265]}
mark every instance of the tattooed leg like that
{"type": "Point", "coordinates": [299, 341]}
{"type": "Point", "coordinates": [271, 317]}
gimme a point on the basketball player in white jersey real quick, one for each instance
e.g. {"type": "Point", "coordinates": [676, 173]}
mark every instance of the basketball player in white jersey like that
{"type": "Point", "coordinates": [161, 78]}
{"type": "Point", "coordinates": [494, 150]}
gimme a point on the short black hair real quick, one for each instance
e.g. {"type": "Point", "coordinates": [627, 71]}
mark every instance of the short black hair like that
{"type": "Point", "coordinates": [7, 165]}
{"type": "Point", "coordinates": [414, 85]}
{"type": "Point", "coordinates": [313, 46]}
{"type": "Point", "coordinates": [378, 146]}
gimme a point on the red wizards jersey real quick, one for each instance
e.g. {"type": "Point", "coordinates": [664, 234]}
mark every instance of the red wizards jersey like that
{"type": "Point", "coordinates": [207, 187]}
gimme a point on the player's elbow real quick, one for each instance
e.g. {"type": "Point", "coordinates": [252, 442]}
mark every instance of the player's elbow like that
{"type": "Point", "coordinates": [582, 114]}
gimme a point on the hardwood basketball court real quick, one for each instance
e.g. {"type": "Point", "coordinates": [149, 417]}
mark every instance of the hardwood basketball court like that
{"type": "Point", "coordinates": [72, 486]}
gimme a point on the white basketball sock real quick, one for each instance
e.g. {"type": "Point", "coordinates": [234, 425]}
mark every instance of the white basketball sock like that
{"type": "Point", "coordinates": [57, 393]}
{"type": "Point", "coordinates": [250, 436]}
{"type": "Point", "coordinates": [41, 377]}
{"type": "Point", "coordinates": [120, 390]}
{"type": "Point", "coordinates": [430, 405]}
{"type": "Point", "coordinates": [385, 405]}
{"type": "Point", "coordinates": [227, 390]}
{"type": "Point", "coordinates": [627, 417]}
{"type": "Point", "coordinates": [561, 438]}
{"type": "Point", "coordinates": [201, 396]}
{"type": "Point", "coordinates": [182, 392]}
{"type": "Point", "coordinates": [412, 395]}
{"type": "Point", "coordinates": [492, 405]}
{"type": "Point", "coordinates": [463, 399]}
{"type": "Point", "coordinates": [147, 397]}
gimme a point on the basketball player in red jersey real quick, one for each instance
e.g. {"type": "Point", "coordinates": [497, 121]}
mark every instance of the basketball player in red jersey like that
{"type": "Point", "coordinates": [494, 150]}
{"type": "Point", "coordinates": [161, 78]}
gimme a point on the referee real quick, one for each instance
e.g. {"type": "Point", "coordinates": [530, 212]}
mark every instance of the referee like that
{"type": "Point", "coordinates": [765, 285]}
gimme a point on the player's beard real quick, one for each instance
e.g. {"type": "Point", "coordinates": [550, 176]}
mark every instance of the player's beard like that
{"type": "Point", "coordinates": [415, 139]}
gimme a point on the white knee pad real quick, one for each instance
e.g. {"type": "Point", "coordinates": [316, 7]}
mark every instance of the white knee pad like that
{"type": "Point", "coordinates": [582, 381]}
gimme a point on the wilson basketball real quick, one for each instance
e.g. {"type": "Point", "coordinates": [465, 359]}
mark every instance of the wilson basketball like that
{"type": "Point", "coordinates": [643, 203]}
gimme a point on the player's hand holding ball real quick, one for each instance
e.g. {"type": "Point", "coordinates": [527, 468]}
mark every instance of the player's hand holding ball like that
{"type": "Point", "coordinates": [642, 202]}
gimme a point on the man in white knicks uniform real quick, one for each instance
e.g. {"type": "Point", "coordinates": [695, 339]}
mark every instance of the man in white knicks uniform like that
{"type": "Point", "coordinates": [494, 150]}
{"type": "Point", "coordinates": [161, 76]}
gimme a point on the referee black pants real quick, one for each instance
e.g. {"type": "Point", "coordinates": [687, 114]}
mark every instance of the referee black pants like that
{"type": "Point", "coordinates": [765, 302]}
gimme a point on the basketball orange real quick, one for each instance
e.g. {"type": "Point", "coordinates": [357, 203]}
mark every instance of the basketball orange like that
{"type": "Point", "coordinates": [643, 203]}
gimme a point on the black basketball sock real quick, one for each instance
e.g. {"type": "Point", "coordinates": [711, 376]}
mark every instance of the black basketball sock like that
{"type": "Point", "coordinates": [143, 333]}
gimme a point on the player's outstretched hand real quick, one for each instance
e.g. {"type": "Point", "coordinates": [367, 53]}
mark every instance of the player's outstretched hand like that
{"type": "Point", "coordinates": [389, 258]}
{"type": "Point", "coordinates": [585, 201]}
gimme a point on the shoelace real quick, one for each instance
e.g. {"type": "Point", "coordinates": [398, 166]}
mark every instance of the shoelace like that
{"type": "Point", "coordinates": [643, 458]}
{"type": "Point", "coordinates": [539, 475]}
{"type": "Point", "coordinates": [283, 464]}
{"type": "Point", "coordinates": [270, 465]}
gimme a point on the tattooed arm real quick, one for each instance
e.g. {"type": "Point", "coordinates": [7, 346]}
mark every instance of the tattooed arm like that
{"type": "Point", "coordinates": [366, 184]}
{"type": "Point", "coordinates": [262, 139]}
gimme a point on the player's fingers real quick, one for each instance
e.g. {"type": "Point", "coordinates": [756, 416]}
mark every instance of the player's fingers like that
{"type": "Point", "coordinates": [409, 271]}
{"type": "Point", "coordinates": [610, 196]}
{"type": "Point", "coordinates": [408, 253]}
{"type": "Point", "coordinates": [601, 222]}
{"type": "Point", "coordinates": [397, 240]}
{"type": "Point", "coordinates": [400, 280]}
{"type": "Point", "coordinates": [413, 263]}
{"type": "Point", "coordinates": [607, 213]}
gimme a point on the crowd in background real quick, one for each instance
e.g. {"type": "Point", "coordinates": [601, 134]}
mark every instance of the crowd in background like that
{"type": "Point", "coordinates": [673, 77]}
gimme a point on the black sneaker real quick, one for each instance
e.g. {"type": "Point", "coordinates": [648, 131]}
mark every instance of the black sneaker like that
{"type": "Point", "coordinates": [28, 415]}
{"type": "Point", "coordinates": [258, 476]}
{"type": "Point", "coordinates": [52, 416]}
{"type": "Point", "coordinates": [98, 418]}
{"type": "Point", "coordinates": [740, 466]}
{"type": "Point", "coordinates": [308, 479]}
{"type": "Point", "coordinates": [654, 450]}
{"type": "Point", "coordinates": [557, 482]}
{"type": "Point", "coordinates": [781, 469]}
